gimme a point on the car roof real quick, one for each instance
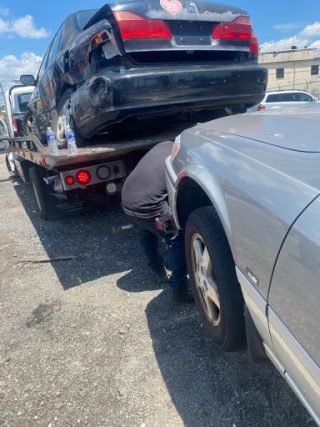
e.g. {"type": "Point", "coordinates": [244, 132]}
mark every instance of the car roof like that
{"type": "Point", "coordinates": [290, 128]}
{"type": "Point", "coordinates": [286, 91]}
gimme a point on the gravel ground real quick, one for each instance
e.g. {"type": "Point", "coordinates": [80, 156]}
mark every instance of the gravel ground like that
{"type": "Point", "coordinates": [94, 341]}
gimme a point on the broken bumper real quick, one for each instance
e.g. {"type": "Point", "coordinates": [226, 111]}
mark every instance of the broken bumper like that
{"type": "Point", "coordinates": [109, 97]}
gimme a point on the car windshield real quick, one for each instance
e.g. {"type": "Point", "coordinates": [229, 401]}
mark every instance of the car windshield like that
{"type": "Point", "coordinates": [21, 102]}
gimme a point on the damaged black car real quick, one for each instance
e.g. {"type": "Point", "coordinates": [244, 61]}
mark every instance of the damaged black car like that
{"type": "Point", "coordinates": [135, 65]}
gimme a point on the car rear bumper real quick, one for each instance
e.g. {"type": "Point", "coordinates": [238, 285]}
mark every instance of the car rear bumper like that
{"type": "Point", "coordinates": [110, 97]}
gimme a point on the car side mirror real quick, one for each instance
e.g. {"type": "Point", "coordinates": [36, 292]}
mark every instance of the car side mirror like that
{"type": "Point", "coordinates": [27, 80]}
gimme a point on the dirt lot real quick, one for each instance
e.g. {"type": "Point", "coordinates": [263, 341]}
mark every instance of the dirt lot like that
{"type": "Point", "coordinates": [94, 341]}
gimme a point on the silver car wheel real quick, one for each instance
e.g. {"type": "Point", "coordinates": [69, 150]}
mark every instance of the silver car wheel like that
{"type": "Point", "coordinates": [205, 282]}
{"type": "Point", "coordinates": [63, 120]}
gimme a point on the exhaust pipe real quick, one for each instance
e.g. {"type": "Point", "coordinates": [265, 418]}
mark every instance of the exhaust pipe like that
{"type": "Point", "coordinates": [50, 179]}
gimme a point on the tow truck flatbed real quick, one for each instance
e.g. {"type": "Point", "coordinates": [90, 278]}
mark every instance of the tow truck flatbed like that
{"type": "Point", "coordinates": [96, 172]}
{"type": "Point", "coordinates": [30, 148]}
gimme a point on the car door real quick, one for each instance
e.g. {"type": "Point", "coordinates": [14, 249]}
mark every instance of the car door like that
{"type": "Point", "coordinates": [35, 102]}
{"type": "Point", "coordinates": [47, 82]}
{"type": "Point", "coordinates": [294, 302]}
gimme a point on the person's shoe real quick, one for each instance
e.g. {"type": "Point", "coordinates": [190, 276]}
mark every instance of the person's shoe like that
{"type": "Point", "coordinates": [181, 295]}
{"type": "Point", "coordinates": [161, 275]}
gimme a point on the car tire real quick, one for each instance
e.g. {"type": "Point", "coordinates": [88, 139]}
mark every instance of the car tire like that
{"type": "Point", "coordinates": [44, 200]}
{"type": "Point", "coordinates": [64, 110]}
{"type": "Point", "coordinates": [213, 280]}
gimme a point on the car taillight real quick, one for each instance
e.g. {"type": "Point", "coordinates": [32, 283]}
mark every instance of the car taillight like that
{"type": "Point", "coordinates": [133, 26]}
{"type": "Point", "coordinates": [83, 177]}
{"type": "Point", "coordinates": [261, 107]}
{"type": "Point", "coordinates": [254, 44]}
{"type": "Point", "coordinates": [14, 125]}
{"type": "Point", "coordinates": [240, 29]}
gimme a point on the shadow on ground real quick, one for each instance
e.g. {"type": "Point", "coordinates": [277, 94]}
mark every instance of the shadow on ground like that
{"type": "Point", "coordinates": [95, 240]}
{"type": "Point", "coordinates": [207, 387]}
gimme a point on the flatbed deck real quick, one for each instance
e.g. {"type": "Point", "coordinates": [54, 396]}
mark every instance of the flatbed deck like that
{"type": "Point", "coordinates": [30, 148]}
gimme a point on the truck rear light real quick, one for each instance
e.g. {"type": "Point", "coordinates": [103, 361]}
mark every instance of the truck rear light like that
{"type": "Point", "coordinates": [14, 125]}
{"type": "Point", "coordinates": [133, 26]}
{"type": "Point", "coordinates": [254, 44]}
{"type": "Point", "coordinates": [83, 177]}
{"type": "Point", "coordinates": [261, 107]}
{"type": "Point", "coordinates": [70, 180]}
{"type": "Point", "coordinates": [240, 29]}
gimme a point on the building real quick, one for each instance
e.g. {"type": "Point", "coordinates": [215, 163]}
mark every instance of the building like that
{"type": "Point", "coordinates": [293, 69]}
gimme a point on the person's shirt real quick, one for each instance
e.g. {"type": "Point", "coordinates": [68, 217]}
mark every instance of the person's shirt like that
{"type": "Point", "coordinates": [144, 193]}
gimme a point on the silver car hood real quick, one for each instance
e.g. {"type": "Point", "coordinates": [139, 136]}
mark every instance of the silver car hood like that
{"type": "Point", "coordinates": [295, 128]}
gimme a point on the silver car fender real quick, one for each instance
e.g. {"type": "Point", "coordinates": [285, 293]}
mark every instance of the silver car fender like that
{"type": "Point", "coordinates": [211, 187]}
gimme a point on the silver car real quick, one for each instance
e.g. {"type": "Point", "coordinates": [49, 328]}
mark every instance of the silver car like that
{"type": "Point", "coordinates": [246, 190]}
{"type": "Point", "coordinates": [284, 98]}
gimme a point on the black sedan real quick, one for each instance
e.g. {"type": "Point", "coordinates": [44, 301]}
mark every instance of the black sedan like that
{"type": "Point", "coordinates": [135, 65]}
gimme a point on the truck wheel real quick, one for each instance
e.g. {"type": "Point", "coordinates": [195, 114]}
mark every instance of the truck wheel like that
{"type": "Point", "coordinates": [64, 118]}
{"type": "Point", "coordinates": [213, 280]}
{"type": "Point", "coordinates": [44, 200]}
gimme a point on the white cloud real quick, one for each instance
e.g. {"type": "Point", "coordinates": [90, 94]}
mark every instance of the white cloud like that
{"type": "Point", "coordinates": [285, 28]}
{"type": "Point", "coordinates": [311, 30]}
{"type": "Point", "coordinates": [307, 37]}
{"type": "Point", "coordinates": [12, 67]}
{"type": "Point", "coordinates": [23, 27]}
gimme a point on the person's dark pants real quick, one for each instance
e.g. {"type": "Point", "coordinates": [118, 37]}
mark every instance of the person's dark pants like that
{"type": "Point", "coordinates": [149, 238]}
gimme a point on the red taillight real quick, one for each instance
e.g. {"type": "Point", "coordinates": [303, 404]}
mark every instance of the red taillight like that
{"type": "Point", "coordinates": [14, 125]}
{"type": "Point", "coordinates": [261, 107]}
{"type": "Point", "coordinates": [70, 180]}
{"type": "Point", "coordinates": [83, 177]}
{"type": "Point", "coordinates": [254, 44]}
{"type": "Point", "coordinates": [133, 26]}
{"type": "Point", "coordinates": [240, 29]}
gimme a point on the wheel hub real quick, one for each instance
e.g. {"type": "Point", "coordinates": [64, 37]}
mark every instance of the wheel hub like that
{"type": "Point", "coordinates": [205, 281]}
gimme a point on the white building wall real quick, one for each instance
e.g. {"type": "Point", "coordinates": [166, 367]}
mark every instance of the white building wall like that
{"type": "Point", "coordinates": [297, 70]}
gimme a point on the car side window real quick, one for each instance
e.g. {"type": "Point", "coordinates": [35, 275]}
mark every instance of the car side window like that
{"type": "Point", "coordinates": [273, 98]}
{"type": "Point", "coordinates": [304, 97]}
{"type": "Point", "coordinates": [55, 46]}
{"type": "Point", "coordinates": [289, 97]}
{"type": "Point", "coordinates": [43, 65]}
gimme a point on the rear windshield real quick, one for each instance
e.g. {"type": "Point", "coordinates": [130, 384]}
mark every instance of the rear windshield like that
{"type": "Point", "coordinates": [21, 102]}
{"type": "Point", "coordinates": [84, 16]}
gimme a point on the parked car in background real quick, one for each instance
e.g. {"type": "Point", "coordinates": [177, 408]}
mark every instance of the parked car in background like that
{"type": "Point", "coordinates": [16, 103]}
{"type": "Point", "coordinates": [146, 65]}
{"type": "Point", "coordinates": [246, 189]}
{"type": "Point", "coordinates": [285, 98]}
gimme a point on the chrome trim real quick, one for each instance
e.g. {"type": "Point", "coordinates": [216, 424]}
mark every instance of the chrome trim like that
{"type": "Point", "coordinates": [301, 397]}
{"type": "Point", "coordinates": [300, 367]}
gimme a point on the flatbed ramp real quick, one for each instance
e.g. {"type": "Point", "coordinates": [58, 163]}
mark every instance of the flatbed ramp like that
{"type": "Point", "coordinates": [33, 150]}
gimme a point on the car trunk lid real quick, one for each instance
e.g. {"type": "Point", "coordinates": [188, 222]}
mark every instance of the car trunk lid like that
{"type": "Point", "coordinates": [178, 26]}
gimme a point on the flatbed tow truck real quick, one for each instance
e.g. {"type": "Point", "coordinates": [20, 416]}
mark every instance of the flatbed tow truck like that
{"type": "Point", "coordinates": [97, 171]}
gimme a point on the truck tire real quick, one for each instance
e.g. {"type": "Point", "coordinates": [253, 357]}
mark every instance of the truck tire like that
{"type": "Point", "coordinates": [64, 117]}
{"type": "Point", "coordinates": [213, 280]}
{"type": "Point", "coordinates": [44, 200]}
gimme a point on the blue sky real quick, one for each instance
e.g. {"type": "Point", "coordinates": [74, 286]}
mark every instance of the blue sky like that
{"type": "Point", "coordinates": [27, 27]}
